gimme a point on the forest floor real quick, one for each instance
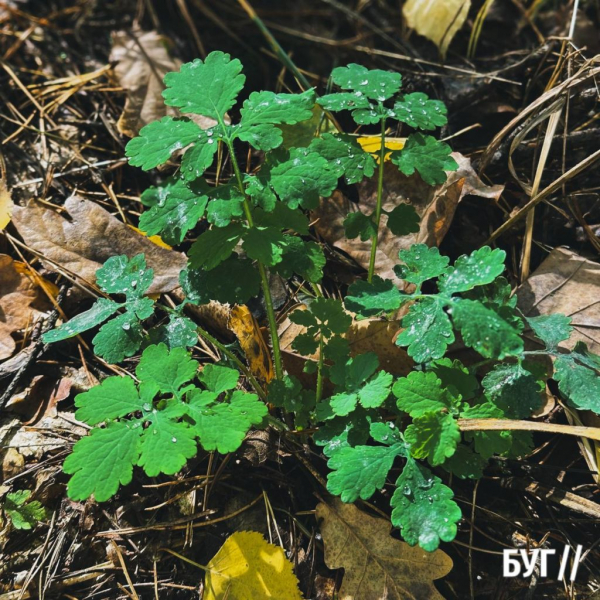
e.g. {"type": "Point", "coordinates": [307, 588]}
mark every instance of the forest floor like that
{"type": "Point", "coordinates": [65, 117]}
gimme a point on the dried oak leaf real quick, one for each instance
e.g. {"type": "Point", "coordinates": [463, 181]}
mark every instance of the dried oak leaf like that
{"type": "Point", "coordinates": [82, 243]}
{"type": "Point", "coordinates": [142, 60]}
{"type": "Point", "coordinates": [367, 335]}
{"type": "Point", "coordinates": [377, 566]}
{"type": "Point", "coordinates": [566, 283]}
{"type": "Point", "coordinates": [18, 295]}
{"type": "Point", "coordinates": [435, 206]}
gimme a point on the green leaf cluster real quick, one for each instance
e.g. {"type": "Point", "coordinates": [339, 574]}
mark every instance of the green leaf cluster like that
{"type": "Point", "coordinates": [487, 322]}
{"type": "Point", "coordinates": [23, 512]}
{"type": "Point", "coordinates": [373, 98]}
{"type": "Point", "coordinates": [122, 334]}
{"type": "Point", "coordinates": [241, 227]}
{"type": "Point", "coordinates": [159, 424]}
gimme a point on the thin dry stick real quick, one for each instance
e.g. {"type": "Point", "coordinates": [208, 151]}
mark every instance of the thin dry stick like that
{"type": "Point", "coordinates": [583, 74]}
{"type": "Point", "coordinates": [590, 454]}
{"type": "Point", "coordinates": [125, 571]}
{"type": "Point", "coordinates": [550, 131]}
{"type": "Point", "coordinates": [592, 433]}
{"type": "Point", "coordinates": [553, 187]}
{"type": "Point", "coordinates": [169, 524]}
{"type": "Point", "coordinates": [186, 15]}
{"type": "Point", "coordinates": [279, 51]}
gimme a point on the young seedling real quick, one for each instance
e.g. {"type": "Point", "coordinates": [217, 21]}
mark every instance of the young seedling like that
{"type": "Point", "coordinates": [254, 224]}
{"type": "Point", "coordinates": [373, 98]}
{"type": "Point", "coordinates": [158, 424]}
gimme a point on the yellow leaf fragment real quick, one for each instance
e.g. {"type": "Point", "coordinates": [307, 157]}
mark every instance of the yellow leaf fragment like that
{"type": "Point", "coordinates": [437, 20]}
{"type": "Point", "coordinates": [6, 205]}
{"type": "Point", "coordinates": [155, 239]}
{"type": "Point", "coordinates": [247, 567]}
{"type": "Point", "coordinates": [245, 327]}
{"type": "Point", "coordinates": [371, 144]}
{"type": "Point", "coordinates": [376, 566]}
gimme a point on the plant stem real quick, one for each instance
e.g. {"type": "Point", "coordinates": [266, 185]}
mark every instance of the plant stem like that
{"type": "Point", "coordinates": [238, 363]}
{"type": "Point", "coordinates": [316, 290]}
{"type": "Point", "coordinates": [374, 239]}
{"type": "Point", "coordinates": [261, 269]}
{"type": "Point", "coordinates": [274, 421]}
{"type": "Point", "coordinates": [320, 368]}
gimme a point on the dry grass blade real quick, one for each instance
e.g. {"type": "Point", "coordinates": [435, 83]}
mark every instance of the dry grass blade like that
{"type": "Point", "coordinates": [550, 131]}
{"type": "Point", "coordinates": [553, 187]}
{"type": "Point", "coordinates": [592, 433]}
{"type": "Point", "coordinates": [586, 72]}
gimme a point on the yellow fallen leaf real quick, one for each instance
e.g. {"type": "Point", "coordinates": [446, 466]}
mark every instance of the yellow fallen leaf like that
{"type": "Point", "coordinates": [371, 144]}
{"type": "Point", "coordinates": [155, 239]}
{"type": "Point", "coordinates": [249, 568]}
{"type": "Point", "coordinates": [437, 20]}
{"type": "Point", "coordinates": [245, 327]}
{"type": "Point", "coordinates": [6, 205]}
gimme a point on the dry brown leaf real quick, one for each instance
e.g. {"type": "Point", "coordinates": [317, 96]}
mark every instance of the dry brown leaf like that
{"type": "Point", "coordinates": [82, 243]}
{"type": "Point", "coordinates": [378, 336]}
{"type": "Point", "coordinates": [142, 60]}
{"type": "Point", "coordinates": [245, 327]}
{"type": "Point", "coordinates": [18, 294]}
{"type": "Point", "coordinates": [13, 463]}
{"type": "Point", "coordinates": [569, 284]}
{"type": "Point", "coordinates": [34, 442]}
{"type": "Point", "coordinates": [435, 206]}
{"type": "Point", "coordinates": [40, 398]}
{"type": "Point", "coordinates": [6, 205]}
{"type": "Point", "coordinates": [367, 335]}
{"type": "Point", "coordinates": [377, 566]}
{"type": "Point", "coordinates": [437, 20]}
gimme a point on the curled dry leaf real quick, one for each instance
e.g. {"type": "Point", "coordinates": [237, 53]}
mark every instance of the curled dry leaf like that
{"type": "Point", "coordinates": [21, 302]}
{"type": "Point", "coordinates": [82, 243]}
{"type": "Point", "coordinates": [377, 566]}
{"type": "Point", "coordinates": [6, 205]}
{"type": "Point", "coordinates": [40, 398]}
{"type": "Point", "coordinates": [437, 20]}
{"type": "Point", "coordinates": [435, 206]}
{"type": "Point", "coordinates": [566, 283]}
{"type": "Point", "coordinates": [247, 331]}
{"type": "Point", "coordinates": [142, 60]}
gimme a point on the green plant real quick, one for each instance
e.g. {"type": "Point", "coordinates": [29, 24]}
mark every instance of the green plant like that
{"type": "Point", "coordinates": [254, 223]}
{"type": "Point", "coordinates": [157, 424]}
{"type": "Point", "coordinates": [366, 94]}
{"type": "Point", "coordinates": [22, 512]}
{"type": "Point", "coordinates": [122, 336]}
